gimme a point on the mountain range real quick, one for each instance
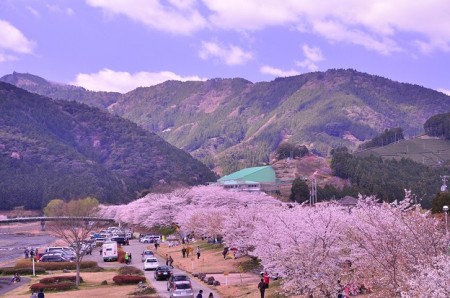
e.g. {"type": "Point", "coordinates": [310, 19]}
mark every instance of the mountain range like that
{"type": "Point", "coordinates": [63, 149]}
{"type": "Point", "coordinates": [233, 123]}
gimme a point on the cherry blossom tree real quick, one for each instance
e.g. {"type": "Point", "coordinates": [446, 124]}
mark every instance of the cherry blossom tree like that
{"type": "Point", "coordinates": [304, 245]}
{"type": "Point", "coordinates": [318, 250]}
{"type": "Point", "coordinates": [431, 280]}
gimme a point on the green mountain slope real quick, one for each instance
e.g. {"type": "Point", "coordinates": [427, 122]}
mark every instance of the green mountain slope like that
{"type": "Point", "coordinates": [59, 149]}
{"type": "Point", "coordinates": [233, 123]}
{"type": "Point", "coordinates": [425, 150]}
{"type": "Point", "coordinates": [53, 90]}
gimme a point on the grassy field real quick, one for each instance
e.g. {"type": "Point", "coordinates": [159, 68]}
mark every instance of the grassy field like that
{"type": "Point", "coordinates": [90, 288]}
{"type": "Point", "coordinates": [428, 151]}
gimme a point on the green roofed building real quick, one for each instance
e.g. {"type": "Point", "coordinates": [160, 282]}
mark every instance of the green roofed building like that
{"type": "Point", "coordinates": [249, 179]}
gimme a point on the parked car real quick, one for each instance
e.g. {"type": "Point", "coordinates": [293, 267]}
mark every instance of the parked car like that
{"type": "Point", "coordinates": [85, 247]}
{"type": "Point", "coordinates": [181, 289]}
{"type": "Point", "coordinates": [150, 239]}
{"type": "Point", "coordinates": [53, 257]}
{"type": "Point", "coordinates": [163, 272]}
{"type": "Point", "coordinates": [147, 253]}
{"type": "Point", "coordinates": [121, 240]}
{"type": "Point", "coordinates": [176, 277]}
{"type": "Point", "coordinates": [99, 241]}
{"type": "Point", "coordinates": [110, 251]}
{"type": "Point", "coordinates": [150, 263]}
{"type": "Point", "coordinates": [67, 252]}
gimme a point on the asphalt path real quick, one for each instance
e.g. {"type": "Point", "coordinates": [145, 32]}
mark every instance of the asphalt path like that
{"type": "Point", "coordinates": [136, 248]}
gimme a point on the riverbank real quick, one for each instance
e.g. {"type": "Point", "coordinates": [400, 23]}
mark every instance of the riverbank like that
{"type": "Point", "coordinates": [15, 238]}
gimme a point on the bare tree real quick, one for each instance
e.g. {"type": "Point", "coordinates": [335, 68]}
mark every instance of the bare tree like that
{"type": "Point", "coordinates": [75, 224]}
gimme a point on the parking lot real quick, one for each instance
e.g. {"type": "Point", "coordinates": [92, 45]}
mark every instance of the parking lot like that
{"type": "Point", "coordinates": [136, 248]}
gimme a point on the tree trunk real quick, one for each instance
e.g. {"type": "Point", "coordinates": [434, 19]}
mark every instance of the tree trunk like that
{"type": "Point", "coordinates": [77, 280]}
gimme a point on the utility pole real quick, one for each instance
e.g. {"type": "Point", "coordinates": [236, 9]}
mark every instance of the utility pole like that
{"type": "Point", "coordinates": [444, 183]}
{"type": "Point", "coordinates": [313, 192]}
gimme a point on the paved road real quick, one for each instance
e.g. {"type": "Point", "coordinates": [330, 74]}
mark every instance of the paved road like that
{"type": "Point", "coordinates": [6, 287]}
{"type": "Point", "coordinates": [136, 248]}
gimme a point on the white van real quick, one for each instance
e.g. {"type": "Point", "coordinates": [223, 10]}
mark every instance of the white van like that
{"type": "Point", "coordinates": [109, 251]}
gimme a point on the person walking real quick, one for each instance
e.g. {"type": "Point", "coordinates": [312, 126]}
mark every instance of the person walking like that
{"type": "Point", "coordinates": [41, 294]}
{"type": "Point", "coordinates": [198, 252]}
{"type": "Point", "coordinates": [200, 294]}
{"type": "Point", "coordinates": [188, 251]}
{"type": "Point", "coordinates": [266, 279]}
{"type": "Point", "coordinates": [33, 294]}
{"type": "Point", "coordinates": [127, 258]}
{"type": "Point", "coordinates": [167, 260]}
{"type": "Point", "coordinates": [170, 261]}
{"type": "Point", "coordinates": [183, 251]}
{"type": "Point", "coordinates": [210, 295]}
{"type": "Point", "coordinates": [262, 287]}
{"type": "Point", "coordinates": [26, 253]}
{"type": "Point", "coordinates": [225, 252]}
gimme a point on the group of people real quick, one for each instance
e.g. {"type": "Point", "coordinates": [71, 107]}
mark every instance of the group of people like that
{"type": "Point", "coordinates": [15, 278]}
{"type": "Point", "coordinates": [30, 253]}
{"type": "Point", "coordinates": [200, 294]}
{"type": "Point", "coordinates": [264, 283]}
{"type": "Point", "coordinates": [40, 294]}
{"type": "Point", "coordinates": [185, 251]}
{"type": "Point", "coordinates": [169, 260]}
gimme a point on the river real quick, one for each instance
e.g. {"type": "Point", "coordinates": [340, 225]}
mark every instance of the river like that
{"type": "Point", "coordinates": [14, 238]}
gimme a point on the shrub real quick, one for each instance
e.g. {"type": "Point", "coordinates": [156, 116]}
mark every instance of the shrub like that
{"type": "Point", "coordinates": [62, 286]}
{"type": "Point", "coordinates": [128, 279]}
{"type": "Point", "coordinates": [21, 271]}
{"type": "Point", "coordinates": [59, 265]}
{"type": "Point", "coordinates": [130, 270]}
{"type": "Point", "coordinates": [58, 279]}
{"type": "Point", "coordinates": [93, 269]}
{"type": "Point", "coordinates": [121, 256]}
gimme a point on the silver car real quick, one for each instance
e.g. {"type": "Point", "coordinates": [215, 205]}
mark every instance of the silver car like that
{"type": "Point", "coordinates": [181, 289]}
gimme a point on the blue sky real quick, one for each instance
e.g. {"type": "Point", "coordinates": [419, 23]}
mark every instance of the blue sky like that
{"type": "Point", "coordinates": [114, 45]}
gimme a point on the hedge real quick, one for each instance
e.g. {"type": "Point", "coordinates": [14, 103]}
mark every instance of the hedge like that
{"type": "Point", "coordinates": [130, 270]}
{"type": "Point", "coordinates": [59, 279]}
{"type": "Point", "coordinates": [60, 265]}
{"type": "Point", "coordinates": [21, 271]}
{"type": "Point", "coordinates": [128, 279]}
{"type": "Point", "coordinates": [62, 286]}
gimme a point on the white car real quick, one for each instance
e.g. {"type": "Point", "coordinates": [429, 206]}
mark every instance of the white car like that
{"type": "Point", "coordinates": [150, 264]}
{"type": "Point", "coordinates": [147, 253]}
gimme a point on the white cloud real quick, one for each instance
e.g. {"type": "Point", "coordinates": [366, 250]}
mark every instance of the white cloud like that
{"type": "Point", "coordinates": [57, 9]}
{"type": "Point", "coordinates": [312, 56]}
{"type": "Point", "coordinates": [374, 24]}
{"type": "Point", "coordinates": [6, 57]}
{"type": "Point", "coordinates": [230, 55]}
{"type": "Point", "coordinates": [174, 16]}
{"type": "Point", "coordinates": [33, 11]}
{"type": "Point", "coordinates": [12, 40]}
{"type": "Point", "coordinates": [335, 31]}
{"type": "Point", "coordinates": [269, 70]}
{"type": "Point", "coordinates": [120, 81]}
{"type": "Point", "coordinates": [385, 26]}
{"type": "Point", "coordinates": [445, 91]}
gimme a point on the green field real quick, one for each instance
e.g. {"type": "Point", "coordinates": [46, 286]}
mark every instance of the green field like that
{"type": "Point", "coordinates": [425, 150]}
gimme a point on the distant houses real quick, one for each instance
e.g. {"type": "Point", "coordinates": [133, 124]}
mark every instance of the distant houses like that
{"type": "Point", "coordinates": [249, 179]}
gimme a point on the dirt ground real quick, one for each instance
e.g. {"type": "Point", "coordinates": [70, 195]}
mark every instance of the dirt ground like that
{"type": "Point", "coordinates": [234, 282]}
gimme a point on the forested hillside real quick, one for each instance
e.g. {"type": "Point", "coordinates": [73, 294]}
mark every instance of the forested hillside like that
{"type": "Point", "coordinates": [233, 123]}
{"type": "Point", "coordinates": [59, 149]}
{"type": "Point", "coordinates": [387, 178]}
{"type": "Point", "coordinates": [38, 85]}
